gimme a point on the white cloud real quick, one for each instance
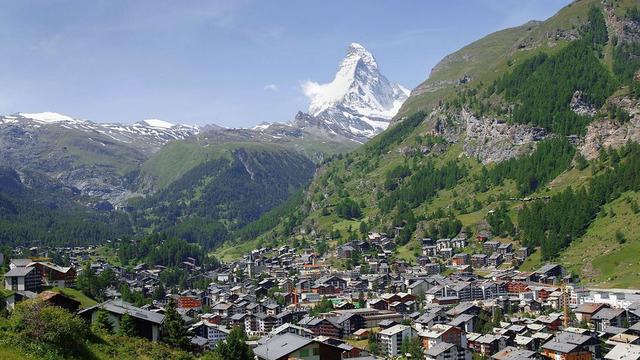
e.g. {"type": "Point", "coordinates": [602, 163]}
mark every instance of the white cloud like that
{"type": "Point", "coordinates": [271, 87]}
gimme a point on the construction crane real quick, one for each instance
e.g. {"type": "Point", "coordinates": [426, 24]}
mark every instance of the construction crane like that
{"type": "Point", "coordinates": [565, 305]}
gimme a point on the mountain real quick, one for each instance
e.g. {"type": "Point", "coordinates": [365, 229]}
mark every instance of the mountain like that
{"type": "Point", "coordinates": [360, 101]}
{"type": "Point", "coordinates": [355, 106]}
{"type": "Point", "coordinates": [485, 145]}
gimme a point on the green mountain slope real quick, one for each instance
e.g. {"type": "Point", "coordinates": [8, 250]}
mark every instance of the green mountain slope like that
{"type": "Point", "coordinates": [231, 185]}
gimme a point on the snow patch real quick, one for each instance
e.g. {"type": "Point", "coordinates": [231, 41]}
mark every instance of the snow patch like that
{"type": "Point", "coordinates": [157, 123]}
{"type": "Point", "coordinates": [47, 117]}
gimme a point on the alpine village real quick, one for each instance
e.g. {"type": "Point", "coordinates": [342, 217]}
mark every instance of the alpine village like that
{"type": "Point", "coordinates": [492, 212]}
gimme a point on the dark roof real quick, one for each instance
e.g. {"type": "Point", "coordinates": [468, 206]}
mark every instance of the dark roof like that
{"type": "Point", "coordinates": [19, 271]}
{"type": "Point", "coordinates": [439, 348]}
{"type": "Point", "coordinates": [121, 307]}
{"type": "Point", "coordinates": [560, 347]}
{"type": "Point", "coordinates": [281, 345]}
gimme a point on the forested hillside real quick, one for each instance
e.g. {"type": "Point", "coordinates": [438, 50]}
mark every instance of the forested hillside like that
{"type": "Point", "coordinates": [224, 193]}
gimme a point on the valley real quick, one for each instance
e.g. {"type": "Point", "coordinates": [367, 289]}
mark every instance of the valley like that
{"type": "Point", "coordinates": [491, 212]}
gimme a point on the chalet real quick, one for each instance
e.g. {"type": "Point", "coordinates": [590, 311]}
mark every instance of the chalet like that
{"type": "Point", "coordinates": [487, 345]}
{"type": "Point", "coordinates": [490, 247]}
{"type": "Point", "coordinates": [511, 353]}
{"type": "Point", "coordinates": [446, 351]}
{"type": "Point", "coordinates": [291, 346]}
{"type": "Point", "coordinates": [586, 311]}
{"type": "Point", "coordinates": [478, 260]}
{"type": "Point", "coordinates": [495, 260]}
{"type": "Point", "coordinates": [466, 322]}
{"type": "Point", "coordinates": [320, 326]}
{"type": "Point", "coordinates": [460, 259]}
{"type": "Point", "coordinates": [560, 350]}
{"type": "Point", "coordinates": [60, 300]}
{"type": "Point", "coordinates": [147, 322]}
{"type": "Point", "coordinates": [505, 249]}
{"type": "Point", "coordinates": [606, 317]}
{"type": "Point", "coordinates": [211, 332]}
{"type": "Point", "coordinates": [548, 273]}
{"type": "Point", "coordinates": [349, 322]}
{"type": "Point", "coordinates": [22, 279]}
{"type": "Point", "coordinates": [440, 333]}
{"type": "Point", "coordinates": [334, 281]}
{"type": "Point", "coordinates": [265, 322]}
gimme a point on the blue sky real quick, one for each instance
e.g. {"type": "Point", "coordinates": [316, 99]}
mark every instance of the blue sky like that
{"type": "Point", "coordinates": [233, 63]}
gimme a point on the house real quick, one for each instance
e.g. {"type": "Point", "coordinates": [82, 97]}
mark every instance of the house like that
{"type": "Point", "coordinates": [586, 311]}
{"type": "Point", "coordinates": [495, 260]}
{"type": "Point", "coordinates": [50, 273]}
{"type": "Point", "coordinates": [147, 322]}
{"type": "Point", "coordinates": [490, 246]}
{"type": "Point", "coordinates": [606, 317]}
{"type": "Point", "coordinates": [466, 322]}
{"type": "Point", "coordinates": [478, 260]}
{"type": "Point", "coordinates": [568, 345]}
{"type": "Point", "coordinates": [61, 300]}
{"type": "Point", "coordinates": [391, 339]}
{"type": "Point", "coordinates": [334, 281]}
{"type": "Point", "coordinates": [505, 249]}
{"type": "Point", "coordinates": [440, 333]}
{"type": "Point", "coordinates": [564, 351]}
{"type": "Point", "coordinates": [22, 279]}
{"type": "Point", "coordinates": [488, 344]}
{"type": "Point", "coordinates": [211, 332]}
{"type": "Point", "coordinates": [320, 326]}
{"type": "Point", "coordinates": [349, 322]}
{"type": "Point", "coordinates": [511, 353]}
{"type": "Point", "coordinates": [446, 351]}
{"type": "Point", "coordinates": [460, 259]}
{"type": "Point", "coordinates": [54, 275]}
{"type": "Point", "coordinates": [291, 346]}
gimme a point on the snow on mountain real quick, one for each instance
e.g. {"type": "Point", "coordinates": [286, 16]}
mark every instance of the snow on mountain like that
{"type": "Point", "coordinates": [157, 123]}
{"type": "Point", "coordinates": [359, 100]}
{"type": "Point", "coordinates": [148, 133]}
{"type": "Point", "coordinates": [47, 117]}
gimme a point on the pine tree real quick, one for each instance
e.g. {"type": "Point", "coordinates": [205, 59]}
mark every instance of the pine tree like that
{"type": "Point", "coordinates": [103, 322]}
{"type": "Point", "coordinates": [174, 331]}
{"type": "Point", "coordinates": [127, 326]}
{"type": "Point", "coordinates": [234, 347]}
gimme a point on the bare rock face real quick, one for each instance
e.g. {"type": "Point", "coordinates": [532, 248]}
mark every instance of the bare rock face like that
{"type": "Point", "coordinates": [581, 106]}
{"type": "Point", "coordinates": [611, 133]}
{"type": "Point", "coordinates": [492, 140]}
{"type": "Point", "coordinates": [486, 138]}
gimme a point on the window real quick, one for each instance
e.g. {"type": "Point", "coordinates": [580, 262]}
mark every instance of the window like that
{"type": "Point", "coordinates": [304, 353]}
{"type": "Point", "coordinates": [316, 351]}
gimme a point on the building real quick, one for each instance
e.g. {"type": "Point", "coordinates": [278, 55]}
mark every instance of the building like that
{"type": "Point", "coordinates": [147, 322]}
{"type": "Point", "coordinates": [294, 347]}
{"type": "Point", "coordinates": [446, 351]}
{"type": "Point", "coordinates": [22, 279]}
{"type": "Point", "coordinates": [211, 332]}
{"type": "Point", "coordinates": [441, 333]}
{"type": "Point", "coordinates": [391, 339]}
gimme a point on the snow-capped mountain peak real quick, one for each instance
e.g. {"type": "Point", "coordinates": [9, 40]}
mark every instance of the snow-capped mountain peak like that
{"type": "Point", "coordinates": [359, 99]}
{"type": "Point", "coordinates": [157, 123]}
{"type": "Point", "coordinates": [47, 117]}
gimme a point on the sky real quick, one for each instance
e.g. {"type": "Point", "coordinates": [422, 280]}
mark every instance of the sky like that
{"type": "Point", "coordinates": [232, 63]}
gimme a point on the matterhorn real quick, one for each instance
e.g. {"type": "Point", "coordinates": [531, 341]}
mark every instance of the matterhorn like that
{"type": "Point", "coordinates": [359, 103]}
